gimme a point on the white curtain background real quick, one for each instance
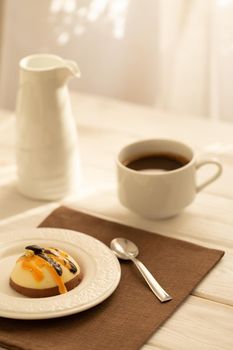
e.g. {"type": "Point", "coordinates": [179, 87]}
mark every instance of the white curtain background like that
{"type": "Point", "coordinates": [195, 57]}
{"type": "Point", "coordinates": [172, 54]}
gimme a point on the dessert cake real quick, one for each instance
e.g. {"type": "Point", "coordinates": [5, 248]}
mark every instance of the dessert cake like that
{"type": "Point", "coordinates": [43, 272]}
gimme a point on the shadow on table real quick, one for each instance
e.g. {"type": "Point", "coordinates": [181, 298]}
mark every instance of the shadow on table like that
{"type": "Point", "coordinates": [13, 203]}
{"type": "Point", "coordinates": [188, 225]}
{"type": "Point", "coordinates": [104, 203]}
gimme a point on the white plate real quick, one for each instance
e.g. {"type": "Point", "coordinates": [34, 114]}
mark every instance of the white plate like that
{"type": "Point", "coordinates": [100, 268]}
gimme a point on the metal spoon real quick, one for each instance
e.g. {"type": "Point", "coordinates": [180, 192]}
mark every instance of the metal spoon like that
{"type": "Point", "coordinates": [127, 250]}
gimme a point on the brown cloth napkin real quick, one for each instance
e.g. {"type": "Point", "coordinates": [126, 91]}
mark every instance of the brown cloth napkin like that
{"type": "Point", "coordinates": [132, 313]}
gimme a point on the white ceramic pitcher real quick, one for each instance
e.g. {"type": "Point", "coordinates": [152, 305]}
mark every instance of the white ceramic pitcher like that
{"type": "Point", "coordinates": [46, 149]}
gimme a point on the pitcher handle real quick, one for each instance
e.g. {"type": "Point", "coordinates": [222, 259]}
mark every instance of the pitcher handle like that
{"type": "Point", "coordinates": [217, 173]}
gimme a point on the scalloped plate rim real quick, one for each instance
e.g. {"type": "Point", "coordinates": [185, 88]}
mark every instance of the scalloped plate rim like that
{"type": "Point", "coordinates": [111, 271]}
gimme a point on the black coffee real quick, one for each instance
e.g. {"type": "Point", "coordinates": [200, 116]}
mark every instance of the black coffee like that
{"type": "Point", "coordinates": [159, 162]}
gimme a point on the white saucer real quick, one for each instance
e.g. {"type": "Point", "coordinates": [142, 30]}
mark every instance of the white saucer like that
{"type": "Point", "coordinates": [100, 267]}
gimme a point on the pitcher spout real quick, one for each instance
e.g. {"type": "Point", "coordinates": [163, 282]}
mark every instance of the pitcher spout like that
{"type": "Point", "coordinates": [67, 70]}
{"type": "Point", "coordinates": [73, 68]}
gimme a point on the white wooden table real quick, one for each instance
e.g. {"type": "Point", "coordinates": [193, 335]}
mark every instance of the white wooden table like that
{"type": "Point", "coordinates": [205, 320]}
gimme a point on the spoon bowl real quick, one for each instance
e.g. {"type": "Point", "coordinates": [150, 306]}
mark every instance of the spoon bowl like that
{"type": "Point", "coordinates": [124, 248]}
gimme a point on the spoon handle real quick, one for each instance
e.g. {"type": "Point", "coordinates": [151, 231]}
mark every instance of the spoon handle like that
{"type": "Point", "coordinates": [160, 293]}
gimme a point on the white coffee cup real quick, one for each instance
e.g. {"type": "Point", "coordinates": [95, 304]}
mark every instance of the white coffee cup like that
{"type": "Point", "coordinates": [160, 194]}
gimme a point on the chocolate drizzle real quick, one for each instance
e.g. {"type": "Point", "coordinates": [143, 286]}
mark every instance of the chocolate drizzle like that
{"type": "Point", "coordinates": [72, 268]}
{"type": "Point", "coordinates": [53, 263]}
{"type": "Point", "coordinates": [46, 255]}
{"type": "Point", "coordinates": [35, 248]}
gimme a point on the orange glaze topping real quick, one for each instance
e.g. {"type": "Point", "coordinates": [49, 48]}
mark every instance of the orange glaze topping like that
{"type": "Point", "coordinates": [34, 263]}
{"type": "Point", "coordinates": [37, 257]}
{"type": "Point", "coordinates": [37, 273]}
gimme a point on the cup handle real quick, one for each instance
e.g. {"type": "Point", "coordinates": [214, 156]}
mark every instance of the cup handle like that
{"type": "Point", "coordinates": [217, 173]}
